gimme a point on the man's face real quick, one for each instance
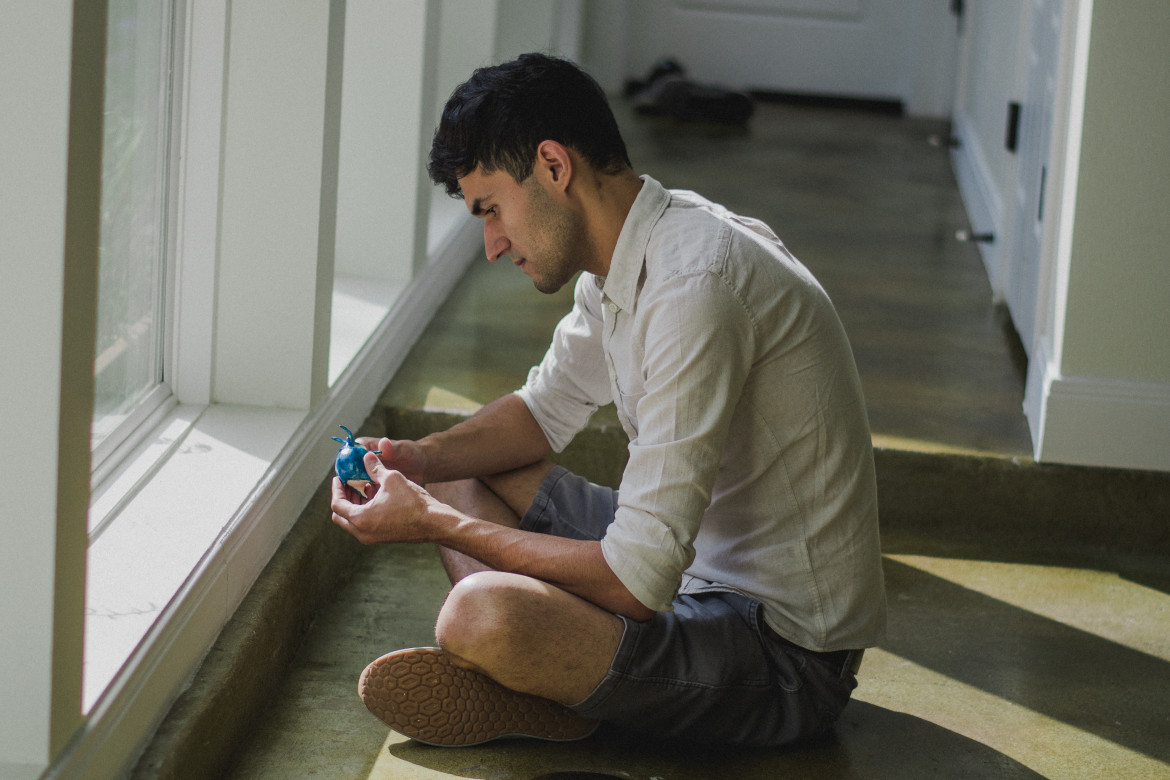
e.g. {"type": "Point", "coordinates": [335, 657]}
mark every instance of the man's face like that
{"type": "Point", "coordinates": [523, 222]}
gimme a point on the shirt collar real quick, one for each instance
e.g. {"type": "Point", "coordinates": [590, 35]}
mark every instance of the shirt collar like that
{"type": "Point", "coordinates": [625, 268]}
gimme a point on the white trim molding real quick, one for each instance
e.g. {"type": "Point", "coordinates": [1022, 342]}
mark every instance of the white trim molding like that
{"type": "Point", "coordinates": [1095, 421]}
{"type": "Point", "coordinates": [981, 199]}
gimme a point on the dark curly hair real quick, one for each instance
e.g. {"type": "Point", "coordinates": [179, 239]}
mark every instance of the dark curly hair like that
{"type": "Point", "coordinates": [497, 118]}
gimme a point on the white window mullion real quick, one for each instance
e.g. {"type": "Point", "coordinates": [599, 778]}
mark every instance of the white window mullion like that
{"type": "Point", "coordinates": [274, 284]}
{"type": "Point", "coordinates": [384, 193]}
{"type": "Point", "coordinates": [196, 212]}
{"type": "Point", "coordinates": [467, 40]}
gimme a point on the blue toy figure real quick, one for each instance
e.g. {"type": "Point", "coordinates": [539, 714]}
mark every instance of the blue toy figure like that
{"type": "Point", "coordinates": [349, 464]}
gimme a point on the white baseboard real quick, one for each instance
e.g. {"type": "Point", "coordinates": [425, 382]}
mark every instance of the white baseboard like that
{"type": "Point", "coordinates": [1091, 421]}
{"type": "Point", "coordinates": [981, 199]}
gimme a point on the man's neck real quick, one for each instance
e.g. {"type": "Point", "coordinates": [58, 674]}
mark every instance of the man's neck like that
{"type": "Point", "coordinates": [607, 200]}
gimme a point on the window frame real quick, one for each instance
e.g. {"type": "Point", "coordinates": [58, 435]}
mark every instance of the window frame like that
{"type": "Point", "coordinates": [196, 505]}
{"type": "Point", "coordinates": [111, 455]}
{"type": "Point", "coordinates": [149, 487]}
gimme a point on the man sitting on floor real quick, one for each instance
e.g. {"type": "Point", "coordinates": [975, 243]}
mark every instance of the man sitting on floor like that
{"type": "Point", "coordinates": [726, 591]}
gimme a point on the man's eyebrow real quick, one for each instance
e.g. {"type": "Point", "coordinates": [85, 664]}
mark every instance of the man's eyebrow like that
{"type": "Point", "coordinates": [477, 207]}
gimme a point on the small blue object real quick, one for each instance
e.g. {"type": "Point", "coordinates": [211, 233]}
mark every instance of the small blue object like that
{"type": "Point", "coordinates": [349, 464]}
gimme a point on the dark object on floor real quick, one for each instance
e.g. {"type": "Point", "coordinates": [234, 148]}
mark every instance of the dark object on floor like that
{"type": "Point", "coordinates": [667, 91]}
{"type": "Point", "coordinates": [661, 70]}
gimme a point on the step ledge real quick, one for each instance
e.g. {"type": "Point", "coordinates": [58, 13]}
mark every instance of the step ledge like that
{"type": "Point", "coordinates": [958, 498]}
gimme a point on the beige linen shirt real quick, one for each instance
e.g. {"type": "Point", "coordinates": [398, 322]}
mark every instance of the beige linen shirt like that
{"type": "Point", "coordinates": [751, 466]}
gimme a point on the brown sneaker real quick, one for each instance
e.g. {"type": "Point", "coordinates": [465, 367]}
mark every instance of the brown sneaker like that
{"type": "Point", "coordinates": [419, 693]}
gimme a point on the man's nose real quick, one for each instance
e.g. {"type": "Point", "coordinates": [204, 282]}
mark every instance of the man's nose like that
{"type": "Point", "coordinates": [494, 243]}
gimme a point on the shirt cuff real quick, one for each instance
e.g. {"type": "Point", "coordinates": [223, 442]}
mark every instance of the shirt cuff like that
{"type": "Point", "coordinates": [646, 563]}
{"type": "Point", "coordinates": [560, 418]}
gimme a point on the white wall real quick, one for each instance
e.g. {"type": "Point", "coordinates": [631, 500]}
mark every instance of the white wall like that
{"type": "Point", "coordinates": [1098, 389]}
{"type": "Point", "coordinates": [1099, 386]}
{"type": "Point", "coordinates": [902, 51]}
{"type": "Point", "coordinates": [526, 25]}
{"type": "Point", "coordinates": [1118, 310]}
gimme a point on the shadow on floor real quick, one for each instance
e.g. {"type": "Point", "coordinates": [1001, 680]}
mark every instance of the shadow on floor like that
{"type": "Point", "coordinates": [1078, 678]}
{"type": "Point", "coordinates": [871, 742]}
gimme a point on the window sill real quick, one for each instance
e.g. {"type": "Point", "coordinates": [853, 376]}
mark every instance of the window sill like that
{"type": "Point", "coordinates": [196, 515]}
{"type": "Point", "coordinates": [212, 460]}
{"type": "Point", "coordinates": [173, 497]}
{"type": "Point", "coordinates": [359, 305]}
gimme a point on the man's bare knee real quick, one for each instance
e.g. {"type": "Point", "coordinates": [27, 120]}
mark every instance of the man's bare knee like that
{"type": "Point", "coordinates": [474, 616]}
{"type": "Point", "coordinates": [528, 635]}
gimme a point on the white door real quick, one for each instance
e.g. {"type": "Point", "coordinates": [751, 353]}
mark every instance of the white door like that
{"type": "Point", "coordinates": [1021, 283]}
{"type": "Point", "coordinates": [899, 50]}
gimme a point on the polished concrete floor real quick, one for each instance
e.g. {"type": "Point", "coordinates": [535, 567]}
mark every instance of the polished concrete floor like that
{"type": "Point", "coordinates": [1002, 660]}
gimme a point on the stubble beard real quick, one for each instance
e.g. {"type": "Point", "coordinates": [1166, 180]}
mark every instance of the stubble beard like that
{"type": "Point", "coordinates": [563, 244]}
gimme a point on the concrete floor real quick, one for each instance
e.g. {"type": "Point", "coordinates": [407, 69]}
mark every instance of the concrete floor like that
{"type": "Point", "coordinates": [992, 669]}
{"type": "Point", "coordinates": [1004, 659]}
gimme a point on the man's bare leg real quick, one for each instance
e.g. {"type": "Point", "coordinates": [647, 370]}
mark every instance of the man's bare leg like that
{"type": "Point", "coordinates": [525, 634]}
{"type": "Point", "coordinates": [513, 648]}
{"type": "Point", "coordinates": [528, 635]}
{"type": "Point", "coordinates": [467, 493]}
{"type": "Point", "coordinates": [501, 498]}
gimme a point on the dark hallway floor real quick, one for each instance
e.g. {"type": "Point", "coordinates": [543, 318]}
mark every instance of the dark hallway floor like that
{"type": "Point", "coordinates": [1011, 653]}
{"type": "Point", "coordinates": [867, 204]}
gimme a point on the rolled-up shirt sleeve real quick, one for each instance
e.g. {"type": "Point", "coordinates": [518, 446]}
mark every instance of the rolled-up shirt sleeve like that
{"type": "Point", "coordinates": [571, 382]}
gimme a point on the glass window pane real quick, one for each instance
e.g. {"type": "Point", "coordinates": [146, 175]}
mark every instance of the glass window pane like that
{"type": "Point", "coordinates": [133, 232]}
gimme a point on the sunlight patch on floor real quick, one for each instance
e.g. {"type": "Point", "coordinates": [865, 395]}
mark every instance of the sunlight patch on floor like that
{"type": "Point", "coordinates": [886, 441]}
{"type": "Point", "coordinates": [1097, 602]}
{"type": "Point", "coordinates": [440, 400]}
{"type": "Point", "coordinates": [1042, 743]}
{"type": "Point", "coordinates": [390, 767]}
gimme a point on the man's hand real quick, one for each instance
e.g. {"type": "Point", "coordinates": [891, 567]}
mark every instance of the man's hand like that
{"type": "Point", "coordinates": [397, 512]}
{"type": "Point", "coordinates": [400, 510]}
{"type": "Point", "coordinates": [406, 457]}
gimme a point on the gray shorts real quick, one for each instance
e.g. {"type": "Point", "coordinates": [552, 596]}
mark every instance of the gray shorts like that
{"type": "Point", "coordinates": [710, 671]}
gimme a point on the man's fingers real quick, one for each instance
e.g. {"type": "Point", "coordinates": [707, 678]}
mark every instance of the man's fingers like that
{"type": "Point", "coordinates": [339, 503]}
{"type": "Point", "coordinates": [382, 445]}
{"type": "Point", "coordinates": [345, 509]}
{"type": "Point", "coordinates": [374, 467]}
{"type": "Point", "coordinates": [337, 493]}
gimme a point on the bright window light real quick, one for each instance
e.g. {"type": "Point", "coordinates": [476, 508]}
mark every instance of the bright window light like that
{"type": "Point", "coordinates": [129, 367]}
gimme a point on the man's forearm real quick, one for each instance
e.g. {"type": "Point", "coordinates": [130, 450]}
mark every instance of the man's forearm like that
{"type": "Point", "coordinates": [402, 510]}
{"type": "Point", "coordinates": [500, 437]}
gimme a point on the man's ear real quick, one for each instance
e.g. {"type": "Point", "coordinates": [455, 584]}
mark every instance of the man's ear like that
{"type": "Point", "coordinates": [554, 164]}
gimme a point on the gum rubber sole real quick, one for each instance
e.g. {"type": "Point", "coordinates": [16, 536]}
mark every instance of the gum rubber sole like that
{"type": "Point", "coordinates": [419, 693]}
